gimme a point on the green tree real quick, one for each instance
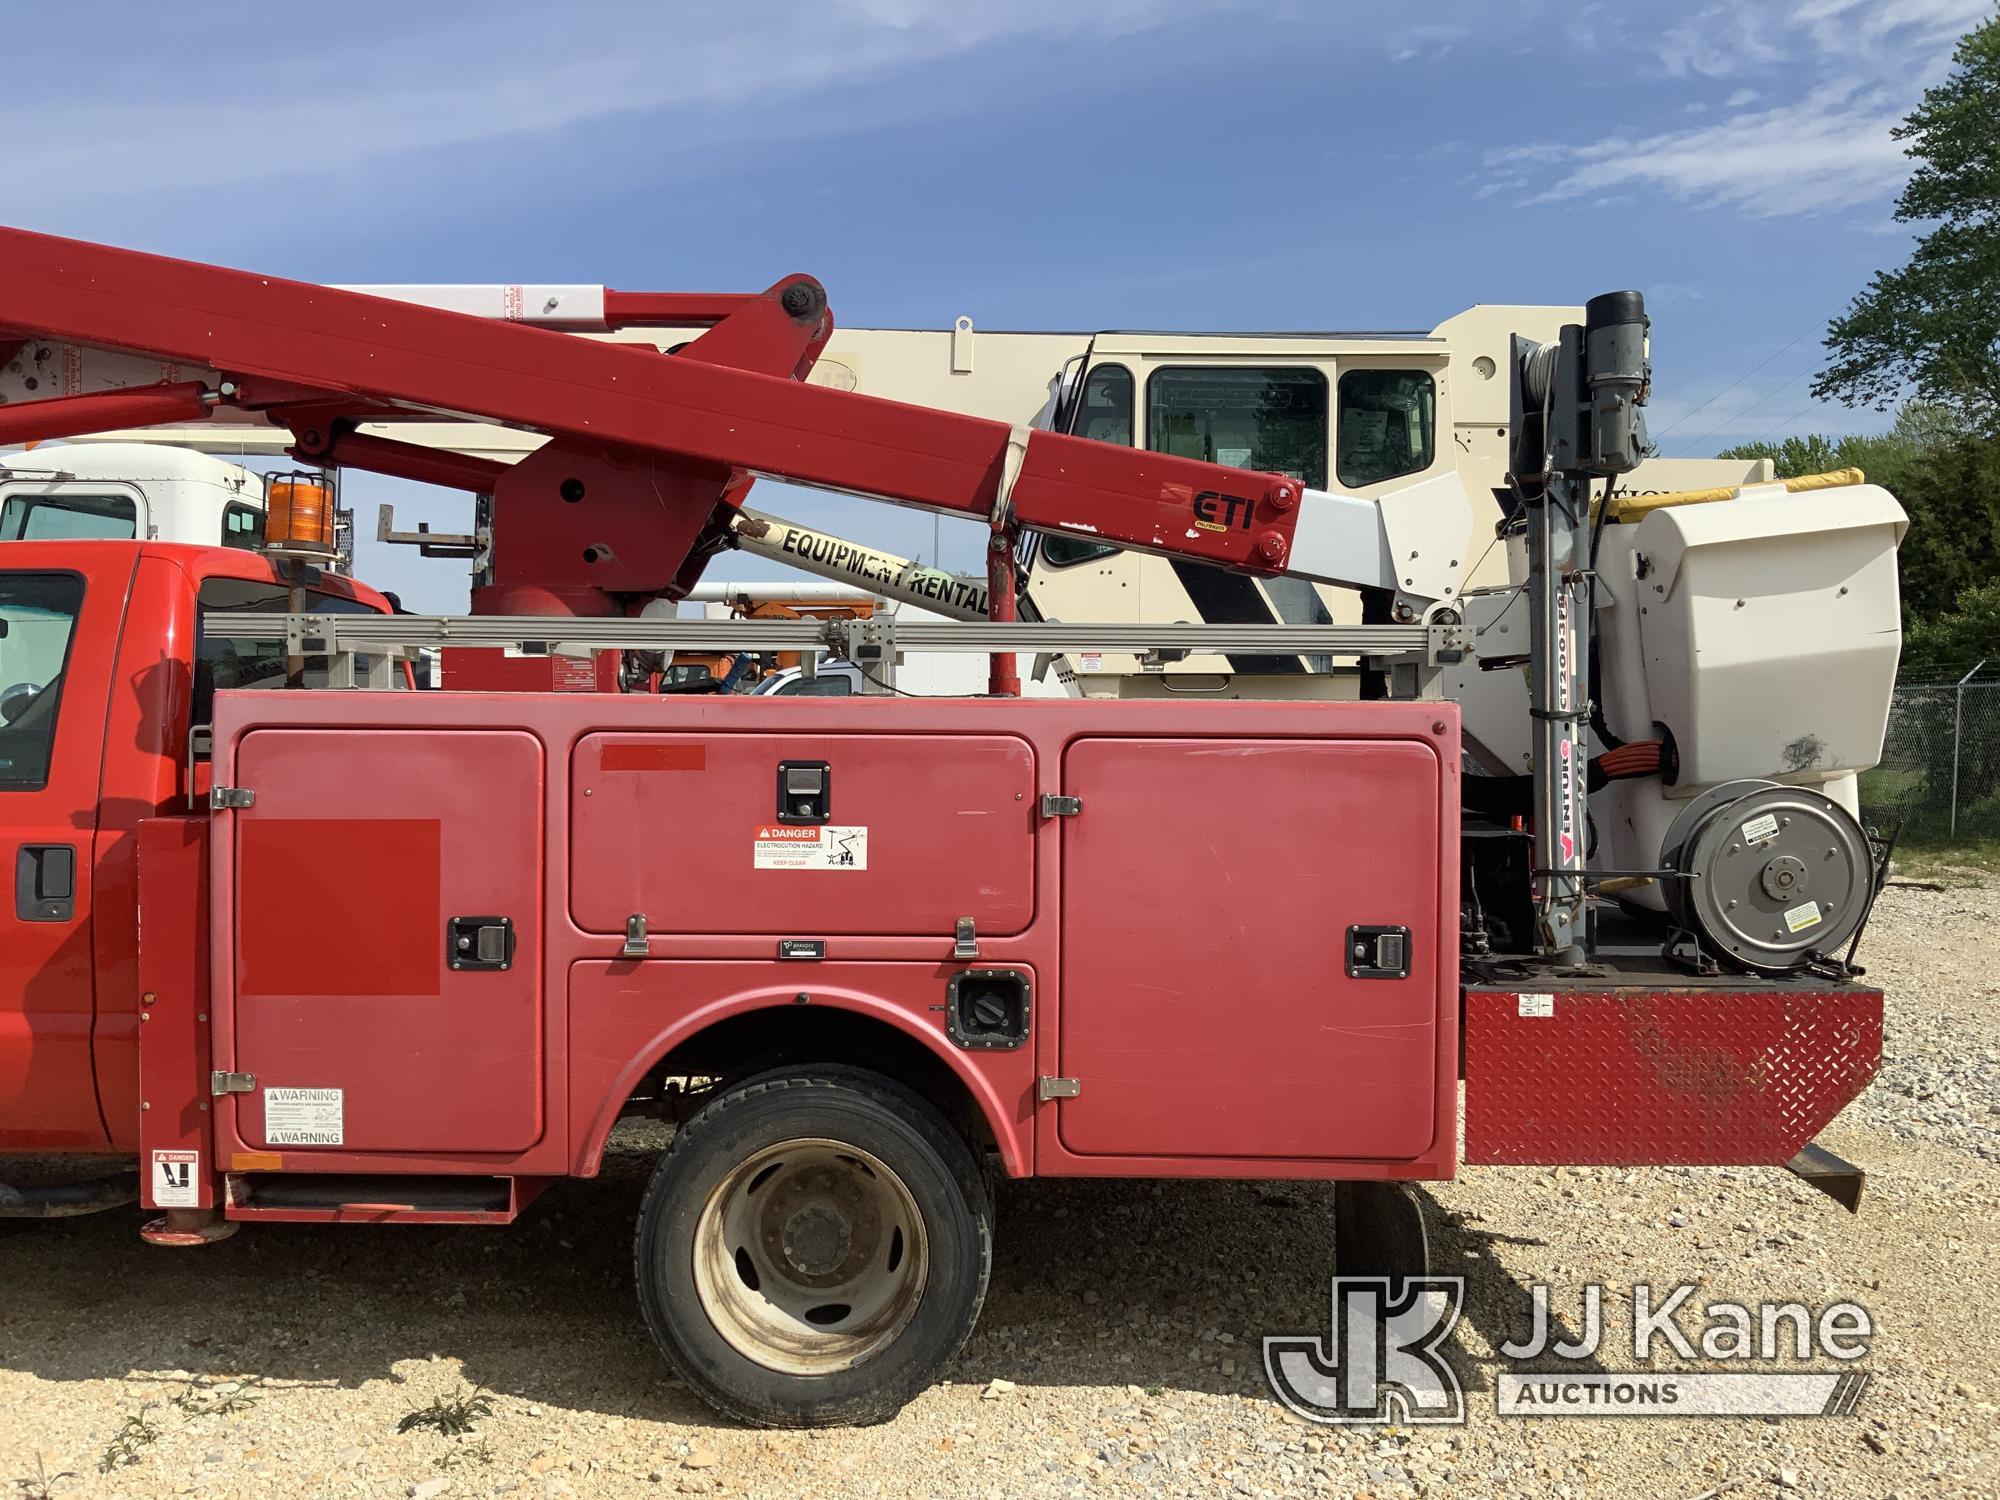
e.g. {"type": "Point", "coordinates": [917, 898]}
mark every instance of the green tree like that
{"type": "Point", "coordinates": [1947, 646]}
{"type": "Point", "coordinates": [1948, 480]}
{"type": "Point", "coordinates": [1812, 454]}
{"type": "Point", "coordinates": [1934, 325]}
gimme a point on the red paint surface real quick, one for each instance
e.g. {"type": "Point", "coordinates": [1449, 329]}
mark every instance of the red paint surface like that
{"type": "Point", "coordinates": [468, 670]}
{"type": "Point", "coordinates": [173, 975]}
{"type": "Point", "coordinates": [950, 819]}
{"type": "Point", "coordinates": [636, 755]}
{"type": "Point", "coordinates": [339, 906]}
{"type": "Point", "coordinates": [48, 1098]}
{"type": "Point", "coordinates": [430, 1060]}
{"type": "Point", "coordinates": [1206, 892]}
{"type": "Point", "coordinates": [1703, 1077]}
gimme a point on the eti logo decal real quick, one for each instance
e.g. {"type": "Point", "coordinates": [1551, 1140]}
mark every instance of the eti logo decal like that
{"type": "Point", "coordinates": [1215, 511]}
{"type": "Point", "coordinates": [1380, 1361]}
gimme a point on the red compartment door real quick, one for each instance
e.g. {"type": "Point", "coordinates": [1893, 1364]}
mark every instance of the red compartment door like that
{"type": "Point", "coordinates": [1207, 889]}
{"type": "Point", "coordinates": [362, 844]}
{"type": "Point", "coordinates": [684, 829]}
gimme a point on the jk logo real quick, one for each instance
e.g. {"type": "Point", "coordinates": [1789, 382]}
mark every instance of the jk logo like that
{"type": "Point", "coordinates": [1380, 1361]}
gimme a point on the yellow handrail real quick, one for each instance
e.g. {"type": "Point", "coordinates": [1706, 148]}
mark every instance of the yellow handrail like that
{"type": "Point", "coordinates": [1637, 507]}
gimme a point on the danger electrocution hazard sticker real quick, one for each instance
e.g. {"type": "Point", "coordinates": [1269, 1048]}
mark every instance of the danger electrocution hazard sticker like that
{"type": "Point", "coordinates": [823, 846]}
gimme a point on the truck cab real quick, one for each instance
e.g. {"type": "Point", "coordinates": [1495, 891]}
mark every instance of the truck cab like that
{"type": "Point", "coordinates": [106, 678]}
{"type": "Point", "coordinates": [129, 492]}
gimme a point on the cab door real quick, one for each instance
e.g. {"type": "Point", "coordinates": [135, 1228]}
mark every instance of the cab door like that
{"type": "Point", "coordinates": [60, 613]}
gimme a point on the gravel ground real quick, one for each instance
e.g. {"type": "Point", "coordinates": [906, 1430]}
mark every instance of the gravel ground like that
{"type": "Point", "coordinates": [1118, 1350]}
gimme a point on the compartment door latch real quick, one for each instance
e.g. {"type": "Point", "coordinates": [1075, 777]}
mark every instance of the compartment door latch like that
{"type": "Point", "coordinates": [1378, 952]}
{"type": "Point", "coordinates": [479, 943]}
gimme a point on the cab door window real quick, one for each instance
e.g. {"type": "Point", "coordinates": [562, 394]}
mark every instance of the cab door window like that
{"type": "Point", "coordinates": [1387, 427]}
{"type": "Point", "coordinates": [37, 625]}
{"type": "Point", "coordinates": [1273, 419]}
{"type": "Point", "coordinates": [1104, 409]}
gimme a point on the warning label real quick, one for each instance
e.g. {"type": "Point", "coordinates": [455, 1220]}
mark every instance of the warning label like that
{"type": "Point", "coordinates": [1758, 829]}
{"type": "Point", "coordinates": [1799, 918]}
{"type": "Point", "coordinates": [823, 846]}
{"type": "Point", "coordinates": [1537, 1005]}
{"type": "Point", "coordinates": [304, 1117]}
{"type": "Point", "coordinates": [174, 1184]}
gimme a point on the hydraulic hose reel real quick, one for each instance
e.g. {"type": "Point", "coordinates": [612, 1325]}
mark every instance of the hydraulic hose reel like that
{"type": "Point", "coordinates": [1770, 876]}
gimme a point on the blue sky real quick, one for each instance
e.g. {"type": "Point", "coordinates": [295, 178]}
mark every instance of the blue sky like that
{"type": "Point", "coordinates": [1034, 163]}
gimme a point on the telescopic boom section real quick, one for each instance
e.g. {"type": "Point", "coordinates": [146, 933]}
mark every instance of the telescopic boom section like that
{"type": "Point", "coordinates": [648, 454]}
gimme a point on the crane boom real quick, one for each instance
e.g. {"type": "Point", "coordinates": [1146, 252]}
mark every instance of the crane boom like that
{"type": "Point", "coordinates": [647, 454]}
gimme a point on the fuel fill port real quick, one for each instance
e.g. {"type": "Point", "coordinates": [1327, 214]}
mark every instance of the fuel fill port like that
{"type": "Point", "coordinates": [987, 1009]}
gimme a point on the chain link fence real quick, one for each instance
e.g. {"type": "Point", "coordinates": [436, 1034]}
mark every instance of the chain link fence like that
{"type": "Point", "coordinates": [1940, 771]}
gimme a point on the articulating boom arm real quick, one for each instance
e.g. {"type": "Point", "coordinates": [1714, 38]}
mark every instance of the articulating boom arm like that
{"type": "Point", "coordinates": [648, 455]}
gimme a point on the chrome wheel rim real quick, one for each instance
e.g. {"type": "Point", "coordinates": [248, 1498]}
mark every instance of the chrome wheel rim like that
{"type": "Point", "coordinates": [810, 1257]}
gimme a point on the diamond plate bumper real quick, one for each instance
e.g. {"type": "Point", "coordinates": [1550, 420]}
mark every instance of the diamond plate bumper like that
{"type": "Point", "coordinates": [1632, 1076]}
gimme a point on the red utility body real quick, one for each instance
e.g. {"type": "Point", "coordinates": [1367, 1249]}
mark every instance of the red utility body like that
{"type": "Point", "coordinates": [1208, 1017]}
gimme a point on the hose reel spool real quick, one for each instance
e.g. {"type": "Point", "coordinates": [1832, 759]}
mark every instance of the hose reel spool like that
{"type": "Point", "coordinates": [1775, 875]}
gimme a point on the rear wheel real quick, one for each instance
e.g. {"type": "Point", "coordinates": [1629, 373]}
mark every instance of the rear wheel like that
{"type": "Point", "coordinates": [814, 1248]}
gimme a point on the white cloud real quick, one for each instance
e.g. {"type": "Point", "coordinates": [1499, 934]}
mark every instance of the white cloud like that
{"type": "Point", "coordinates": [1432, 42]}
{"type": "Point", "coordinates": [1719, 42]}
{"type": "Point", "coordinates": [1830, 150]}
{"type": "Point", "coordinates": [1834, 78]}
{"type": "Point", "coordinates": [349, 102]}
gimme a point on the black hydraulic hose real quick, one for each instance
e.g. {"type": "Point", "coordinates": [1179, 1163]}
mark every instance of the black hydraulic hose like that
{"type": "Point", "coordinates": [1603, 732]}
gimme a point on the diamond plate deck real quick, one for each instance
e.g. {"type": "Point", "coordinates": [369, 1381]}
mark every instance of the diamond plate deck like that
{"type": "Point", "coordinates": [1632, 1077]}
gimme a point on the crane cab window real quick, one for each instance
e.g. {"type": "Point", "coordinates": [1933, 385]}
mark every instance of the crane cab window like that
{"type": "Point", "coordinates": [1104, 410]}
{"type": "Point", "coordinates": [61, 517]}
{"type": "Point", "coordinates": [1271, 419]}
{"type": "Point", "coordinates": [1387, 427]}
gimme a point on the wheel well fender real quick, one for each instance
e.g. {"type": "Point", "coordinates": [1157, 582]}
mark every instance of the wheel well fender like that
{"type": "Point", "coordinates": [765, 1026]}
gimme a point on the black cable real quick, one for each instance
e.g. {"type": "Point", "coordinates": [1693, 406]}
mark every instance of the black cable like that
{"type": "Point", "coordinates": [1595, 676]}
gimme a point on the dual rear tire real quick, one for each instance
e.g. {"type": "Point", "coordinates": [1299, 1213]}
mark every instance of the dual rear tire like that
{"type": "Point", "coordinates": [814, 1248]}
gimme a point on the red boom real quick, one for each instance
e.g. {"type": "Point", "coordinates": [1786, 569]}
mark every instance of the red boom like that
{"type": "Point", "coordinates": [646, 452]}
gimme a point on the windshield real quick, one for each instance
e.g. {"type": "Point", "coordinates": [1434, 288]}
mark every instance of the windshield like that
{"type": "Point", "coordinates": [32, 518]}
{"type": "Point", "coordinates": [37, 620]}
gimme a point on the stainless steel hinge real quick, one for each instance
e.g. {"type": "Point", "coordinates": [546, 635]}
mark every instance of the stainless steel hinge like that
{"type": "Point", "coordinates": [220, 1083]}
{"type": "Point", "coordinates": [222, 798]}
{"type": "Point", "coordinates": [1057, 1088]}
{"type": "Point", "coordinates": [1054, 806]}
